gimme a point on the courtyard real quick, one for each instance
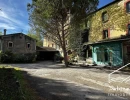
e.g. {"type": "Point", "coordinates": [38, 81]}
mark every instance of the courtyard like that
{"type": "Point", "coordinates": [53, 81]}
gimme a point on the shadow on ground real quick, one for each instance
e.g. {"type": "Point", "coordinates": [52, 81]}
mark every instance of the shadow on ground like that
{"type": "Point", "coordinates": [52, 89]}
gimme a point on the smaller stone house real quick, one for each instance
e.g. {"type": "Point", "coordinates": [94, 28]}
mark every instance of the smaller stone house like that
{"type": "Point", "coordinates": [17, 43]}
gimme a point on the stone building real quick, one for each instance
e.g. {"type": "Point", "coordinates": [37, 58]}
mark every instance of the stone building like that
{"type": "Point", "coordinates": [109, 33]}
{"type": "Point", "coordinates": [17, 43]}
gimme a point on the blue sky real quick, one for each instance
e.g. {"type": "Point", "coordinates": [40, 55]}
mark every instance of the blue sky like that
{"type": "Point", "coordinates": [14, 15]}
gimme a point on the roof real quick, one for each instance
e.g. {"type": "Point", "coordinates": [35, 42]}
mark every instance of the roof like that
{"type": "Point", "coordinates": [111, 3]}
{"type": "Point", "coordinates": [122, 38]}
{"type": "Point", "coordinates": [108, 4]}
{"type": "Point", "coordinates": [45, 49]}
{"type": "Point", "coordinates": [17, 34]}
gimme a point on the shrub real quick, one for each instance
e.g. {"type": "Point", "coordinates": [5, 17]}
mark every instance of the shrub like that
{"type": "Point", "coordinates": [9, 57]}
{"type": "Point", "coordinates": [25, 58]}
{"type": "Point", "coordinates": [6, 57]}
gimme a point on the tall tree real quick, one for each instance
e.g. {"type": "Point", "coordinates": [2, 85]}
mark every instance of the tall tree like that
{"type": "Point", "coordinates": [37, 36]}
{"type": "Point", "coordinates": [53, 18]}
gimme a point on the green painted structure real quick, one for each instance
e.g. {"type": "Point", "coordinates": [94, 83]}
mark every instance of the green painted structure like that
{"type": "Point", "coordinates": [107, 53]}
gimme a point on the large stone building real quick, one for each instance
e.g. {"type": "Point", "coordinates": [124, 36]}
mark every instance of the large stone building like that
{"type": "Point", "coordinates": [109, 30]}
{"type": "Point", "coordinates": [17, 43]}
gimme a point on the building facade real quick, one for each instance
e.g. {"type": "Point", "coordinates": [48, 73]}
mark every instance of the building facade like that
{"type": "Point", "coordinates": [17, 43]}
{"type": "Point", "coordinates": [47, 42]}
{"type": "Point", "coordinates": [109, 30]}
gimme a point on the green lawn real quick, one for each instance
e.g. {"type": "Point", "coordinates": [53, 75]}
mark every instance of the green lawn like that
{"type": "Point", "coordinates": [14, 86]}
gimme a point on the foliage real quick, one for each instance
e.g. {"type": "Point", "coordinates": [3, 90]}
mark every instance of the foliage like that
{"type": "Point", "coordinates": [0, 33]}
{"type": "Point", "coordinates": [117, 22]}
{"type": "Point", "coordinates": [9, 89]}
{"type": "Point", "coordinates": [37, 36]}
{"type": "Point", "coordinates": [14, 86]}
{"type": "Point", "coordinates": [25, 58]}
{"type": "Point", "coordinates": [6, 57]}
{"type": "Point", "coordinates": [53, 18]}
{"type": "Point", "coordinates": [75, 40]}
{"type": "Point", "coordinates": [9, 57]}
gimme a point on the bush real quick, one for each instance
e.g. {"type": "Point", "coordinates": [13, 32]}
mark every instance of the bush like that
{"type": "Point", "coordinates": [6, 57]}
{"type": "Point", "coordinates": [9, 57]}
{"type": "Point", "coordinates": [25, 58]}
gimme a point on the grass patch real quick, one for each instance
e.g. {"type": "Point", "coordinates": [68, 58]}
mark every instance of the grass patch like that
{"type": "Point", "coordinates": [14, 86]}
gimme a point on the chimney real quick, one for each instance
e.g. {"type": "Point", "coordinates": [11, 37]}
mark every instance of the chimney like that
{"type": "Point", "coordinates": [4, 31]}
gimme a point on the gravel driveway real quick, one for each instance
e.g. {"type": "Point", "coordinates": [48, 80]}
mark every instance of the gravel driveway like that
{"type": "Point", "coordinates": [55, 82]}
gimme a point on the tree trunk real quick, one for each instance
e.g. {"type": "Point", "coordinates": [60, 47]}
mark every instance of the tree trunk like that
{"type": "Point", "coordinates": [64, 44]}
{"type": "Point", "coordinates": [65, 57]}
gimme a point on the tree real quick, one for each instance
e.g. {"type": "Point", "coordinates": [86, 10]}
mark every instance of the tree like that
{"type": "Point", "coordinates": [75, 40]}
{"type": "Point", "coordinates": [36, 36]}
{"type": "Point", "coordinates": [53, 18]}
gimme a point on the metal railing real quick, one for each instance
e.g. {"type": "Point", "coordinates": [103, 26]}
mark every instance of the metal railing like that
{"type": "Point", "coordinates": [113, 79]}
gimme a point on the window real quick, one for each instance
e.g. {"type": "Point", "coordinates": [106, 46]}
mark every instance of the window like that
{"type": "Point", "coordinates": [99, 54]}
{"type": "Point", "coordinates": [105, 34]}
{"type": "Point", "coordinates": [128, 29]}
{"type": "Point", "coordinates": [106, 55]}
{"type": "Point", "coordinates": [10, 44]}
{"type": "Point", "coordinates": [88, 24]}
{"type": "Point", "coordinates": [102, 55]}
{"type": "Point", "coordinates": [28, 45]}
{"type": "Point", "coordinates": [128, 7]}
{"type": "Point", "coordinates": [104, 16]}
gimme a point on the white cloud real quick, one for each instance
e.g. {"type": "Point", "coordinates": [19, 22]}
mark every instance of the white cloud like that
{"type": "Point", "coordinates": [5, 26]}
{"type": "Point", "coordinates": [12, 17]}
{"type": "Point", "coordinates": [9, 18]}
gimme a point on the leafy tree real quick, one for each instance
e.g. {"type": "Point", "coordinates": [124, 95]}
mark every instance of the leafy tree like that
{"type": "Point", "coordinates": [37, 36]}
{"type": "Point", "coordinates": [0, 33]}
{"type": "Point", "coordinates": [75, 40]}
{"type": "Point", "coordinates": [53, 18]}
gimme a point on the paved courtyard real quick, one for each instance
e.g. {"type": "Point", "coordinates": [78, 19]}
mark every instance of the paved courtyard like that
{"type": "Point", "coordinates": [55, 82]}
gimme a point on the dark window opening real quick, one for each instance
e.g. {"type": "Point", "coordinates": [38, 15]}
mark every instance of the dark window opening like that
{"type": "Point", "coordinates": [10, 44]}
{"type": "Point", "coordinates": [104, 16]}
{"type": "Point", "coordinates": [128, 29]}
{"type": "Point", "coordinates": [28, 45]}
{"type": "Point", "coordinates": [128, 7]}
{"type": "Point", "coordinates": [105, 34]}
{"type": "Point", "coordinates": [106, 55]}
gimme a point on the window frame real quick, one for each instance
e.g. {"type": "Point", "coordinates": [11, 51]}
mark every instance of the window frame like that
{"type": "Point", "coordinates": [27, 46]}
{"type": "Point", "coordinates": [9, 45]}
{"type": "Point", "coordinates": [105, 13]}
{"type": "Point", "coordinates": [108, 34]}
{"type": "Point", "coordinates": [128, 29]}
{"type": "Point", "coordinates": [126, 5]}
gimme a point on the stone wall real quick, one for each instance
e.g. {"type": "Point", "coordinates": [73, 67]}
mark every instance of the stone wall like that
{"type": "Point", "coordinates": [19, 42]}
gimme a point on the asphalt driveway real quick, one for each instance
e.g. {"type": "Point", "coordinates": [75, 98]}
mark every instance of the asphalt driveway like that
{"type": "Point", "coordinates": [55, 82]}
